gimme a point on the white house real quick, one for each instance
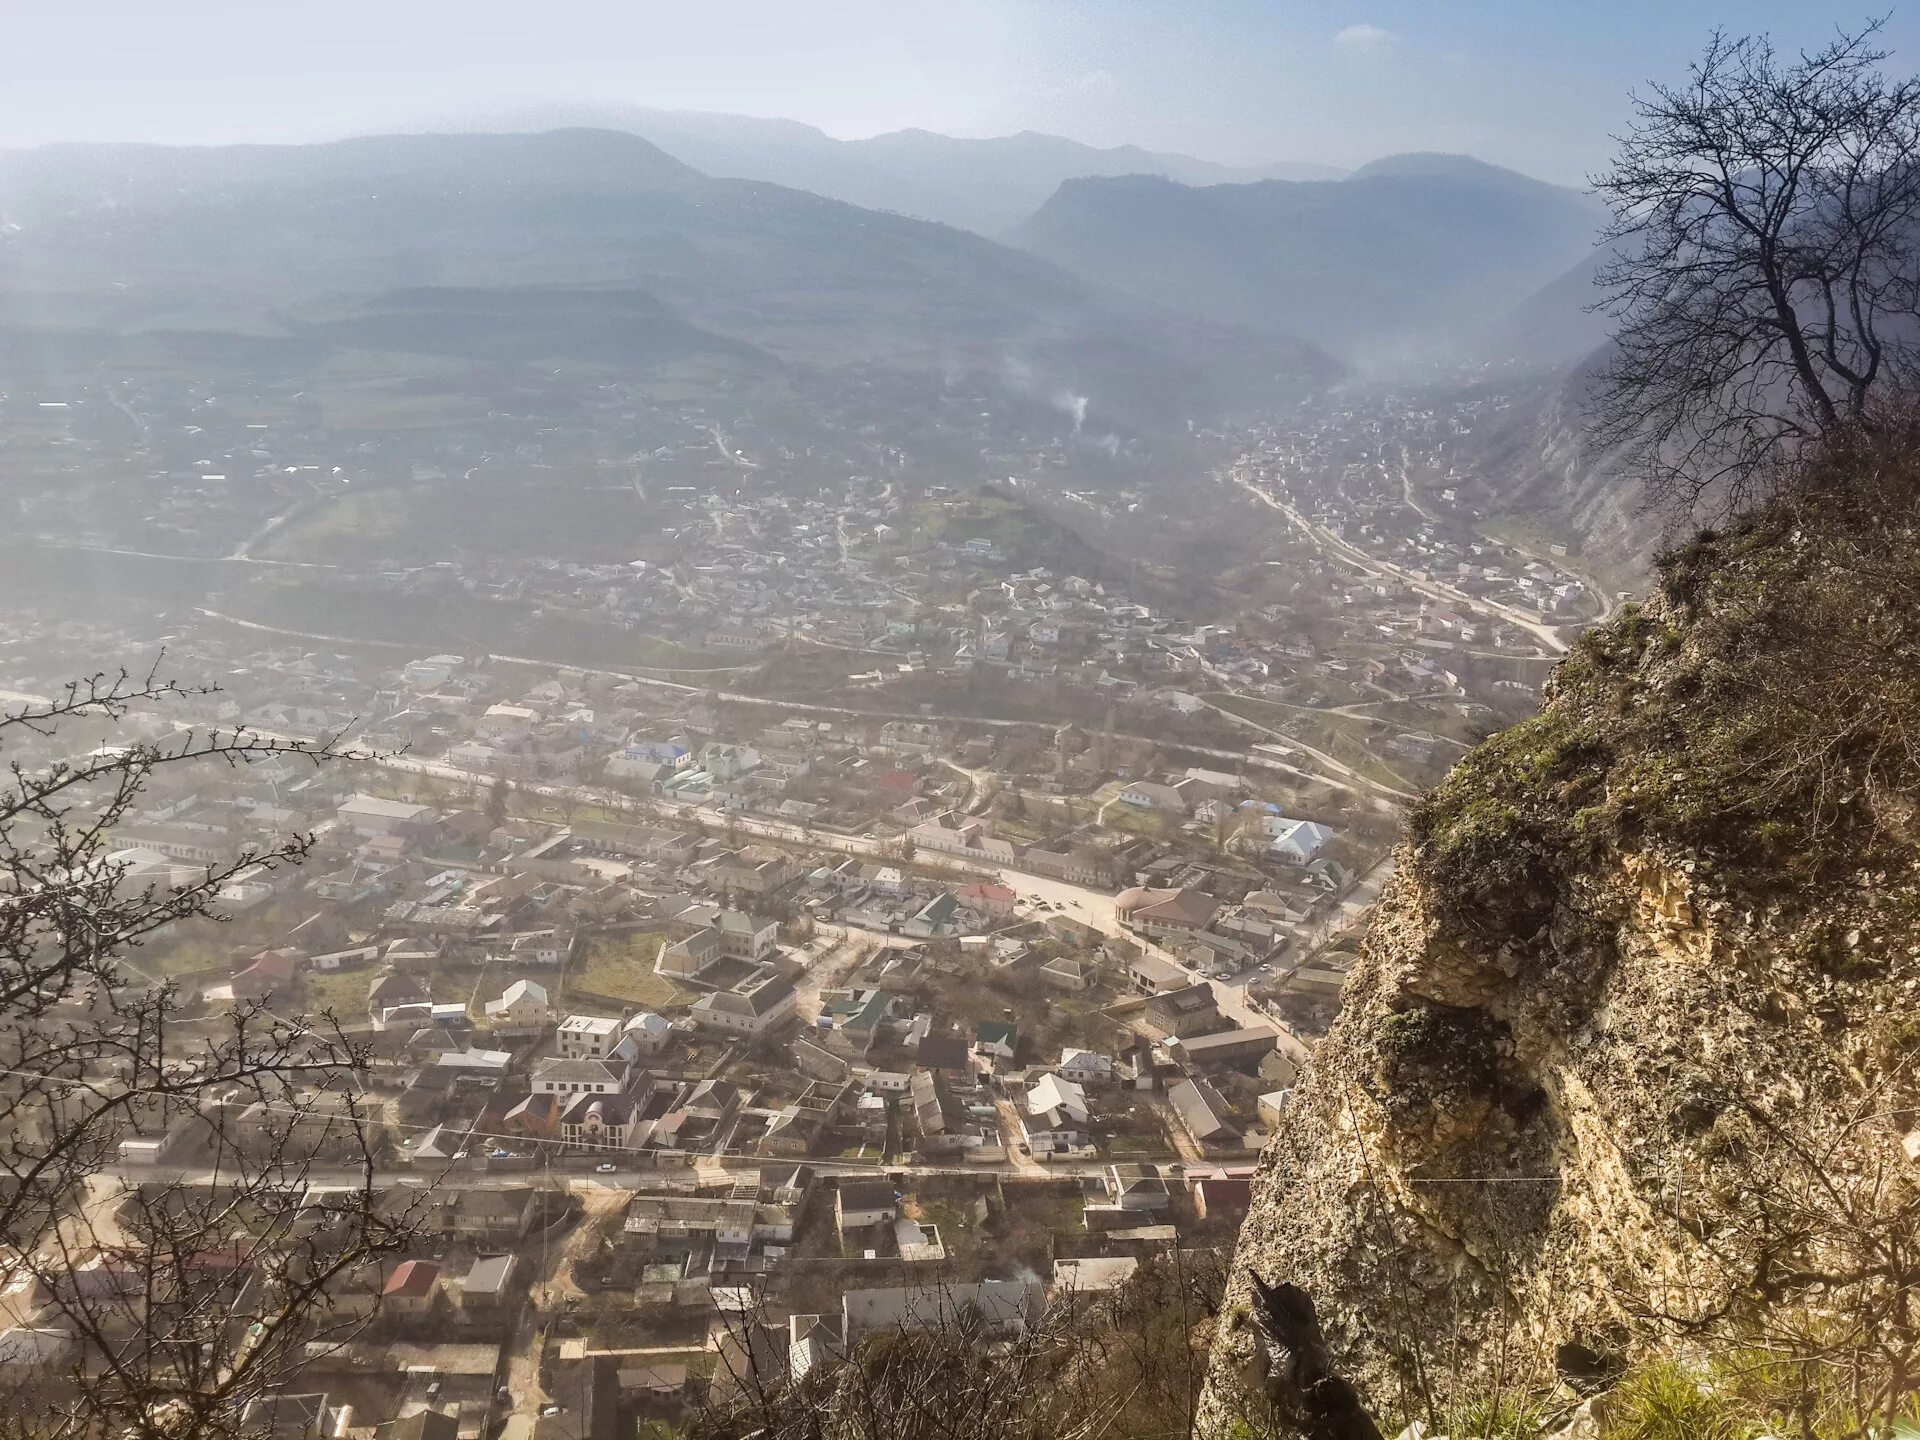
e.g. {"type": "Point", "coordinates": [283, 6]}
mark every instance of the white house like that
{"type": "Point", "coordinates": [1151, 795]}
{"type": "Point", "coordinates": [472, 755]}
{"type": "Point", "coordinates": [753, 1007]}
{"type": "Point", "coordinates": [1064, 972]}
{"type": "Point", "coordinates": [1294, 841]}
{"type": "Point", "coordinates": [371, 815]}
{"type": "Point", "coordinates": [728, 762]}
{"type": "Point", "coordinates": [1004, 1305]}
{"type": "Point", "coordinates": [432, 672]}
{"type": "Point", "coordinates": [648, 1031]}
{"type": "Point", "coordinates": [1055, 1119]}
{"type": "Point", "coordinates": [587, 1037]}
{"type": "Point", "coordinates": [733, 935]}
{"type": "Point", "coordinates": [1085, 1067]}
{"type": "Point", "coordinates": [859, 1204]}
{"type": "Point", "coordinates": [1052, 1095]}
{"type": "Point", "coordinates": [504, 720]}
{"type": "Point", "coordinates": [557, 1075]}
{"type": "Point", "coordinates": [541, 948]}
{"type": "Point", "coordinates": [599, 1122]}
{"type": "Point", "coordinates": [997, 1038]}
{"type": "Point", "coordinates": [1055, 1105]}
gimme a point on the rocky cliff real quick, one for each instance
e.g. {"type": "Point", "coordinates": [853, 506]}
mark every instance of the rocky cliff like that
{"type": "Point", "coordinates": [1536, 462]}
{"type": "Point", "coordinates": [1628, 1062]}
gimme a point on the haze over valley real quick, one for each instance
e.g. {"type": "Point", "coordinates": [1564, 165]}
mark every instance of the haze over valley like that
{"type": "Point", "coordinates": [1018, 722]}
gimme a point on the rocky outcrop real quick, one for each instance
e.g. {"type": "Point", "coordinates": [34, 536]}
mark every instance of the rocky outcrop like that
{"type": "Point", "coordinates": [1645, 958]}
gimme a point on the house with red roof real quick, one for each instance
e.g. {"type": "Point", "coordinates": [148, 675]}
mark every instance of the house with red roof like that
{"type": "Point", "coordinates": [409, 1290]}
{"type": "Point", "coordinates": [988, 899]}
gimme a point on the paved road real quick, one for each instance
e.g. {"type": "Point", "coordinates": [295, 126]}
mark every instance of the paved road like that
{"type": "Point", "coordinates": [1039, 895]}
{"type": "Point", "coordinates": [652, 675]}
{"type": "Point", "coordinates": [54, 544]}
{"type": "Point", "coordinates": [1547, 635]}
{"type": "Point", "coordinates": [1355, 778]}
{"type": "Point", "coordinates": [1607, 603]}
{"type": "Point", "coordinates": [1087, 899]}
{"type": "Point", "coordinates": [1352, 909]}
{"type": "Point", "coordinates": [709, 1171]}
{"type": "Point", "coordinates": [980, 785]}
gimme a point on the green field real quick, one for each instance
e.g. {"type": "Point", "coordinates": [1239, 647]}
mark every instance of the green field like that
{"type": "Point", "coordinates": [1023, 534]}
{"type": "Point", "coordinates": [1348, 738]}
{"type": "Point", "coordinates": [620, 967]}
{"type": "Point", "coordinates": [343, 991]}
{"type": "Point", "coordinates": [453, 621]}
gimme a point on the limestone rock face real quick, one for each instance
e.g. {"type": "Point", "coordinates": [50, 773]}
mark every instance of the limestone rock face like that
{"type": "Point", "coordinates": [1631, 957]}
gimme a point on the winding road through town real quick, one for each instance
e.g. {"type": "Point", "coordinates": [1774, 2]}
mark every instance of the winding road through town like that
{"type": "Point", "coordinates": [1332, 544]}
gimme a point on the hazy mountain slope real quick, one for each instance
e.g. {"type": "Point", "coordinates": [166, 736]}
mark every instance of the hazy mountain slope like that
{"type": "Point", "coordinates": [1533, 461]}
{"type": "Point", "coordinates": [50, 181]}
{"type": "Point", "coordinates": [524, 324]}
{"type": "Point", "coordinates": [1554, 325]}
{"type": "Point", "coordinates": [1411, 253]}
{"type": "Point", "coordinates": [985, 185]}
{"type": "Point", "coordinates": [294, 239]}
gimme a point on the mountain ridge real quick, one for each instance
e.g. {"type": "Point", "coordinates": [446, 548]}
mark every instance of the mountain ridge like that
{"type": "Point", "coordinates": [1371, 266]}
{"type": "Point", "coordinates": [985, 184]}
{"type": "Point", "coordinates": [267, 235]}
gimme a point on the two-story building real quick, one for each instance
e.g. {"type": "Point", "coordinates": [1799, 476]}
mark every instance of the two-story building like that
{"type": "Point", "coordinates": [587, 1037]}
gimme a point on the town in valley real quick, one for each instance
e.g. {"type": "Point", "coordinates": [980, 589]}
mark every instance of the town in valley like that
{"type": "Point", "coordinates": [810, 888]}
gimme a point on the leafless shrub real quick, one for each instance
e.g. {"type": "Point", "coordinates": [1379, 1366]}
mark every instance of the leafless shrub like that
{"type": "Point", "coordinates": [174, 1304]}
{"type": "Point", "coordinates": [1805, 1293]}
{"type": "Point", "coordinates": [1126, 1364]}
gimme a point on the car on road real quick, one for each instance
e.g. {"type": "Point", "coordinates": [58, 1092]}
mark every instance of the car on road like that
{"type": "Point", "coordinates": [608, 1169]}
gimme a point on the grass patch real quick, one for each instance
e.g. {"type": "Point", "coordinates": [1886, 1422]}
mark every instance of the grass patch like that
{"type": "Point", "coordinates": [620, 967]}
{"type": "Point", "coordinates": [1664, 1400]}
{"type": "Point", "coordinates": [342, 991]}
{"type": "Point", "coordinates": [445, 618]}
{"type": "Point", "coordinates": [360, 518]}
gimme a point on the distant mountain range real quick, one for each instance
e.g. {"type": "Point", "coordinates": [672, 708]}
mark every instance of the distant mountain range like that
{"type": "Point", "coordinates": [579, 245]}
{"type": "Point", "coordinates": [987, 185]}
{"type": "Point", "coordinates": [1408, 256]}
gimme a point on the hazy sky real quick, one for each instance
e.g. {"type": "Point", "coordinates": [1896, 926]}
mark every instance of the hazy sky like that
{"type": "Point", "coordinates": [1531, 83]}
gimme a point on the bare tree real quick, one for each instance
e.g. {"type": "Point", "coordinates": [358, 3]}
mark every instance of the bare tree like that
{"type": "Point", "coordinates": [1765, 278]}
{"type": "Point", "coordinates": [166, 1309]}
